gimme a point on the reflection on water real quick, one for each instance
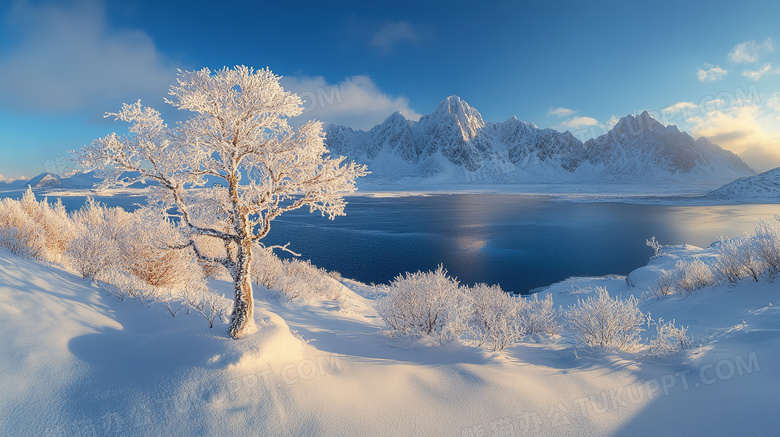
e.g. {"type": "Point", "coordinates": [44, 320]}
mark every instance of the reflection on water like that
{"type": "Point", "coordinates": [520, 242]}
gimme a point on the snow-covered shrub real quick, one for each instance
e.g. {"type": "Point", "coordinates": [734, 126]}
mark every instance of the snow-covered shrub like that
{"type": "Point", "coordinates": [121, 284]}
{"type": "Point", "coordinates": [99, 229]}
{"type": "Point", "coordinates": [692, 275]}
{"type": "Point", "coordinates": [207, 304]}
{"type": "Point", "coordinates": [426, 305]}
{"type": "Point", "coordinates": [729, 265]}
{"type": "Point", "coordinates": [146, 249]}
{"type": "Point", "coordinates": [56, 229]}
{"type": "Point", "coordinates": [302, 280]}
{"type": "Point", "coordinates": [267, 268]}
{"type": "Point", "coordinates": [539, 316]}
{"type": "Point", "coordinates": [612, 323]}
{"type": "Point", "coordinates": [767, 246]}
{"type": "Point", "coordinates": [741, 258]}
{"type": "Point", "coordinates": [19, 233]}
{"type": "Point", "coordinates": [748, 255]}
{"type": "Point", "coordinates": [666, 284]}
{"type": "Point", "coordinates": [669, 338]}
{"type": "Point", "coordinates": [295, 279]}
{"type": "Point", "coordinates": [495, 316]}
{"type": "Point", "coordinates": [655, 245]}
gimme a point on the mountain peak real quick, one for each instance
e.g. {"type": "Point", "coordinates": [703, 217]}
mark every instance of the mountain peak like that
{"type": "Point", "coordinates": [468, 119]}
{"type": "Point", "coordinates": [452, 104]}
{"type": "Point", "coordinates": [636, 124]}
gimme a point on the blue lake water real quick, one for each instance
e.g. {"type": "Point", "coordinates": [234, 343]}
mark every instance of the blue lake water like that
{"type": "Point", "coordinates": [520, 242]}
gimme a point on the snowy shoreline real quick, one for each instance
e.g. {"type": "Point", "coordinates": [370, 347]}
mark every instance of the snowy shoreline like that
{"type": "Point", "coordinates": [107, 366]}
{"type": "Point", "coordinates": [639, 195]}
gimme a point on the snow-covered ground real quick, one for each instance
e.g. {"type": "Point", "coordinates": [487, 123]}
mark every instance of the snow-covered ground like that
{"type": "Point", "coordinates": [78, 361]}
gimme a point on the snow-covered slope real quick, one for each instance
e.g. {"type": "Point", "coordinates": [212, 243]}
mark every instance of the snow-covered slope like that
{"type": "Point", "coordinates": [455, 145]}
{"type": "Point", "coordinates": [76, 361]}
{"type": "Point", "coordinates": [764, 187]}
{"type": "Point", "coordinates": [640, 146]}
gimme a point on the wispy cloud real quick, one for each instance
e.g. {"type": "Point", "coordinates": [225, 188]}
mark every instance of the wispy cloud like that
{"type": "Point", "coordinates": [750, 51]}
{"type": "Point", "coordinates": [560, 112]}
{"type": "Point", "coordinates": [68, 57]}
{"type": "Point", "coordinates": [761, 72]}
{"type": "Point", "coordinates": [356, 101]}
{"type": "Point", "coordinates": [393, 33]}
{"type": "Point", "coordinates": [712, 73]}
{"type": "Point", "coordinates": [580, 122]}
{"type": "Point", "coordinates": [774, 102]}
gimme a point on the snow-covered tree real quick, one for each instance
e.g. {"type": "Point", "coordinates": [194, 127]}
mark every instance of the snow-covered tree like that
{"type": "Point", "coordinates": [229, 169]}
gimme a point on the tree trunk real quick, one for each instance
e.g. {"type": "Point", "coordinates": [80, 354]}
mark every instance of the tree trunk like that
{"type": "Point", "coordinates": [242, 321]}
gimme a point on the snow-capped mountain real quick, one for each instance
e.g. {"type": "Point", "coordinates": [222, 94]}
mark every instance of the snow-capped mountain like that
{"type": "Point", "coordinates": [764, 187]}
{"type": "Point", "coordinates": [76, 180]}
{"type": "Point", "coordinates": [455, 145]}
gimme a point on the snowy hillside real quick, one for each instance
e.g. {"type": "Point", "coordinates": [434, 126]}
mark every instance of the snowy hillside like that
{"type": "Point", "coordinates": [51, 181]}
{"type": "Point", "coordinates": [455, 145]}
{"type": "Point", "coordinates": [77, 361]}
{"type": "Point", "coordinates": [761, 188]}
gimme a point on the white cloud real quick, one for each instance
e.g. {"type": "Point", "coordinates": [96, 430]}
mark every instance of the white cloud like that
{"type": "Point", "coordinates": [711, 74]}
{"type": "Point", "coordinates": [758, 74]}
{"type": "Point", "coordinates": [580, 122]}
{"type": "Point", "coordinates": [355, 101]}
{"type": "Point", "coordinates": [750, 51]}
{"type": "Point", "coordinates": [560, 112]}
{"type": "Point", "coordinates": [679, 112]}
{"type": "Point", "coordinates": [613, 120]}
{"type": "Point", "coordinates": [392, 33]}
{"type": "Point", "coordinates": [679, 106]}
{"type": "Point", "coordinates": [67, 57]}
{"type": "Point", "coordinates": [3, 178]}
{"type": "Point", "coordinates": [747, 131]}
{"type": "Point", "coordinates": [774, 101]}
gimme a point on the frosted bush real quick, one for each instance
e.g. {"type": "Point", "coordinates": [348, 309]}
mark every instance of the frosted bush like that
{"type": "Point", "coordinates": [209, 305]}
{"type": "Point", "coordinates": [666, 284]}
{"type": "Point", "coordinates": [54, 228]}
{"type": "Point", "coordinates": [655, 245]}
{"type": "Point", "coordinates": [426, 305]}
{"type": "Point", "coordinates": [495, 316]}
{"type": "Point", "coordinates": [539, 316]}
{"type": "Point", "coordinates": [20, 232]}
{"type": "Point", "coordinates": [767, 246]}
{"type": "Point", "coordinates": [295, 279]}
{"type": "Point", "coordinates": [669, 338]}
{"type": "Point", "coordinates": [267, 268]}
{"type": "Point", "coordinates": [692, 275]}
{"type": "Point", "coordinates": [121, 284]}
{"type": "Point", "coordinates": [607, 322]}
{"type": "Point", "coordinates": [302, 280]}
{"type": "Point", "coordinates": [99, 229]}
{"type": "Point", "coordinates": [90, 253]}
{"type": "Point", "coordinates": [729, 265]}
{"type": "Point", "coordinates": [146, 249]}
{"type": "Point", "coordinates": [742, 257]}
{"type": "Point", "coordinates": [752, 264]}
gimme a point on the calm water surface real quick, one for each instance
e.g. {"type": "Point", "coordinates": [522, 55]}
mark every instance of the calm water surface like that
{"type": "Point", "coordinates": [520, 242]}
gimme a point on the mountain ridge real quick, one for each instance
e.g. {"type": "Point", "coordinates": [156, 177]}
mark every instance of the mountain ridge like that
{"type": "Point", "coordinates": [454, 144]}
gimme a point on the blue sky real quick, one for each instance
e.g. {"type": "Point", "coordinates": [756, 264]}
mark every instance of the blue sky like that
{"type": "Point", "coordinates": [710, 67]}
